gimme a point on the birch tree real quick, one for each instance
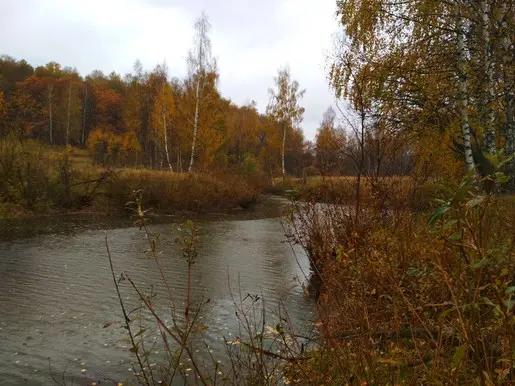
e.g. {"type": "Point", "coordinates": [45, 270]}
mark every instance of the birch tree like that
{"type": "Point", "coordinates": [436, 68]}
{"type": "Point", "coordinates": [284, 105]}
{"type": "Point", "coordinates": [507, 53]}
{"type": "Point", "coordinates": [163, 109]}
{"type": "Point", "coordinates": [200, 64]}
{"type": "Point", "coordinates": [463, 88]}
{"type": "Point", "coordinates": [488, 89]}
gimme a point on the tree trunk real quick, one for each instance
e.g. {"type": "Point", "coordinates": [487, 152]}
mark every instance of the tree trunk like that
{"type": "Point", "coordinates": [50, 100]}
{"type": "Point", "coordinates": [195, 124]}
{"type": "Point", "coordinates": [165, 134]}
{"type": "Point", "coordinates": [69, 113]}
{"type": "Point", "coordinates": [463, 92]}
{"type": "Point", "coordinates": [82, 139]}
{"type": "Point", "coordinates": [166, 144]}
{"type": "Point", "coordinates": [488, 91]}
{"type": "Point", "coordinates": [180, 160]}
{"type": "Point", "coordinates": [509, 100]}
{"type": "Point", "coordinates": [361, 160]}
{"type": "Point", "coordinates": [283, 149]}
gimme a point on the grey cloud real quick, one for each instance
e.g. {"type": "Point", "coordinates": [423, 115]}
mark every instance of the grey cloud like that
{"type": "Point", "coordinates": [251, 40]}
{"type": "Point", "coordinates": [39, 37]}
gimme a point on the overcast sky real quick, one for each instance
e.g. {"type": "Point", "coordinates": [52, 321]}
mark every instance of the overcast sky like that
{"type": "Point", "coordinates": [251, 39]}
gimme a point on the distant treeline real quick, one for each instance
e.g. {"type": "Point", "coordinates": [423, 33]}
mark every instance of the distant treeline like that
{"type": "Point", "coordinates": [136, 119]}
{"type": "Point", "coordinates": [145, 119]}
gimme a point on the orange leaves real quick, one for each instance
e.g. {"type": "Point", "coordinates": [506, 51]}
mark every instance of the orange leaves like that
{"type": "Point", "coordinates": [163, 108]}
{"type": "Point", "coordinates": [109, 147]}
{"type": "Point", "coordinates": [25, 113]}
{"type": "Point", "coordinates": [150, 113]}
{"type": "Point", "coordinates": [329, 144]}
{"type": "Point", "coordinates": [109, 106]}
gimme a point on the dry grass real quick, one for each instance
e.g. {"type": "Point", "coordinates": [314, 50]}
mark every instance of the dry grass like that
{"type": "Point", "coordinates": [404, 302]}
{"type": "Point", "coordinates": [42, 178]}
{"type": "Point", "coordinates": [168, 192]}
{"type": "Point", "coordinates": [393, 191]}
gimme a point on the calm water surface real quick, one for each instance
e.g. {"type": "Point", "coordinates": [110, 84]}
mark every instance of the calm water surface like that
{"type": "Point", "coordinates": [56, 290]}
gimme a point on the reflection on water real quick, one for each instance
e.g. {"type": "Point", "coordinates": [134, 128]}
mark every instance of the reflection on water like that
{"type": "Point", "coordinates": [56, 292]}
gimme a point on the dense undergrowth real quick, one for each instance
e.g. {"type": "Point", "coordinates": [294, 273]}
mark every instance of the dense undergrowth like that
{"type": "Point", "coordinates": [394, 192]}
{"type": "Point", "coordinates": [38, 179]}
{"type": "Point", "coordinates": [406, 297]}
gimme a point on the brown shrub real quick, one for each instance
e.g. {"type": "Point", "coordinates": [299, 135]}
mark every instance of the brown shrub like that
{"type": "Point", "coordinates": [403, 302]}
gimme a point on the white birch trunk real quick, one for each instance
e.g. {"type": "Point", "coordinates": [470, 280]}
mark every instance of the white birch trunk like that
{"type": "Point", "coordinates": [195, 123]}
{"type": "Point", "coordinates": [489, 136]}
{"type": "Point", "coordinates": [509, 98]}
{"type": "Point", "coordinates": [165, 134]}
{"type": "Point", "coordinates": [463, 92]}
{"type": "Point", "coordinates": [166, 144]}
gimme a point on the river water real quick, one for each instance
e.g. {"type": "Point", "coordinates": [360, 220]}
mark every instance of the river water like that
{"type": "Point", "coordinates": [57, 293]}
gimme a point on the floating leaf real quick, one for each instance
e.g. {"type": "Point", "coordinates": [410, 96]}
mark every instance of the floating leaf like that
{"type": "Point", "coordinates": [199, 329]}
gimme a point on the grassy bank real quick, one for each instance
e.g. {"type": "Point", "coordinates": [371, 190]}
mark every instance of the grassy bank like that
{"type": "Point", "coordinates": [394, 191]}
{"type": "Point", "coordinates": [38, 179]}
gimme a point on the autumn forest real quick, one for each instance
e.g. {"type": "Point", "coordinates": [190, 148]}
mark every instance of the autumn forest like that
{"type": "Point", "coordinates": [399, 216]}
{"type": "Point", "coordinates": [144, 119]}
{"type": "Point", "coordinates": [149, 118]}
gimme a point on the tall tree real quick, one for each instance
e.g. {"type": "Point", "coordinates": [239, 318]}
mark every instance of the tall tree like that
{"type": "Point", "coordinates": [329, 143]}
{"type": "Point", "coordinates": [284, 105]}
{"type": "Point", "coordinates": [463, 95]}
{"type": "Point", "coordinates": [163, 109]}
{"type": "Point", "coordinates": [488, 100]}
{"type": "Point", "coordinates": [200, 64]}
{"type": "Point", "coordinates": [438, 67]}
{"type": "Point", "coordinates": [507, 53]}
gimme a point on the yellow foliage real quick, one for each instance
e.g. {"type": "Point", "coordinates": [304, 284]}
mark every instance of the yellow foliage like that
{"type": "Point", "coordinates": [108, 146]}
